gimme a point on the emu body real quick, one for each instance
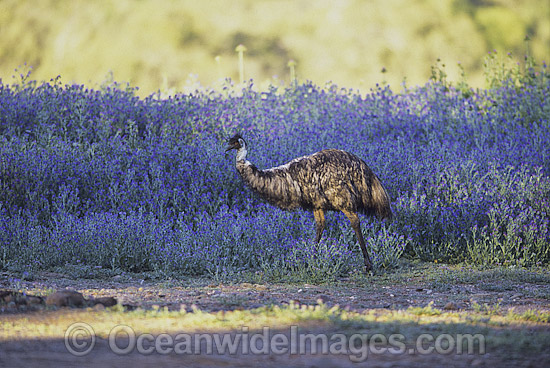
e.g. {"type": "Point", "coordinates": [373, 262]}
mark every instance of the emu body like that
{"type": "Point", "coordinates": [329, 180]}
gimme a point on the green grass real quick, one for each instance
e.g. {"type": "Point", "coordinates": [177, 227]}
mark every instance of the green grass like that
{"type": "Point", "coordinates": [510, 333]}
{"type": "Point", "coordinates": [349, 44]}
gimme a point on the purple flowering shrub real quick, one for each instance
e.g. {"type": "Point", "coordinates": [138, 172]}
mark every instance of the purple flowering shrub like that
{"type": "Point", "coordinates": [303, 259]}
{"type": "Point", "coordinates": [106, 179]}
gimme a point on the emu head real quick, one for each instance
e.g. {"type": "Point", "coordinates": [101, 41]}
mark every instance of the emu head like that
{"type": "Point", "coordinates": [236, 142]}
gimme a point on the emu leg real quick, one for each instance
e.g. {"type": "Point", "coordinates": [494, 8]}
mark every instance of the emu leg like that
{"type": "Point", "coordinates": [356, 225]}
{"type": "Point", "coordinates": [319, 224]}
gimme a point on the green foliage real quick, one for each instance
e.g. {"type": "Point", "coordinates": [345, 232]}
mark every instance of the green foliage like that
{"type": "Point", "coordinates": [503, 27]}
{"type": "Point", "coordinates": [486, 309]}
{"type": "Point", "coordinates": [175, 45]}
{"type": "Point", "coordinates": [513, 237]}
{"type": "Point", "coordinates": [500, 70]}
{"type": "Point", "coordinates": [313, 263]}
{"type": "Point", "coordinates": [529, 315]}
{"type": "Point", "coordinates": [428, 310]}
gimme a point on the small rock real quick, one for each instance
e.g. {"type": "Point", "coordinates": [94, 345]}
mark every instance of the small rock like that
{"type": "Point", "coordinates": [516, 296]}
{"type": "Point", "coordinates": [5, 296]}
{"type": "Point", "coordinates": [33, 300]}
{"type": "Point", "coordinates": [106, 301]}
{"type": "Point", "coordinates": [65, 298]}
{"type": "Point", "coordinates": [13, 296]}
{"type": "Point", "coordinates": [323, 299]}
{"type": "Point", "coordinates": [451, 306]}
{"type": "Point", "coordinates": [98, 307]}
{"type": "Point", "coordinates": [19, 299]}
{"type": "Point", "coordinates": [8, 298]}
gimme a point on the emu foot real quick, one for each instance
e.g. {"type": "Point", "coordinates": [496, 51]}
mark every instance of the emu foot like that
{"type": "Point", "coordinates": [368, 268]}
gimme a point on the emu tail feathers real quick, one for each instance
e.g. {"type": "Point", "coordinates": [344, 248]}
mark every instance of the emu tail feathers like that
{"type": "Point", "coordinates": [380, 200]}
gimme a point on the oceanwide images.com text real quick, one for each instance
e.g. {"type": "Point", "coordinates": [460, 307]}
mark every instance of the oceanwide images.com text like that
{"type": "Point", "coordinates": [80, 339]}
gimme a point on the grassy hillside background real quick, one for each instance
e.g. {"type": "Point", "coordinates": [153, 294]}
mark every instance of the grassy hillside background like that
{"type": "Point", "coordinates": [174, 45]}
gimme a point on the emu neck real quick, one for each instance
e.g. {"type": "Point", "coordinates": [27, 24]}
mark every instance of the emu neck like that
{"type": "Point", "coordinates": [241, 154]}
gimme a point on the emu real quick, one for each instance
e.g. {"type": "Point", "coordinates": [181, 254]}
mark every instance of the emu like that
{"type": "Point", "coordinates": [329, 180]}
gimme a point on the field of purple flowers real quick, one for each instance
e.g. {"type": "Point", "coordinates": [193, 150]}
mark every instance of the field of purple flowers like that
{"type": "Point", "coordinates": [102, 178]}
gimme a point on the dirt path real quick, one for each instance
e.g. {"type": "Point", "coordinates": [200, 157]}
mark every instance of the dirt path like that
{"type": "Point", "coordinates": [208, 296]}
{"type": "Point", "coordinates": [53, 354]}
{"type": "Point", "coordinates": [384, 293]}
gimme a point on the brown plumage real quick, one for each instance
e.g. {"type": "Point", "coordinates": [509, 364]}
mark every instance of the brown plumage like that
{"type": "Point", "coordinates": [329, 180]}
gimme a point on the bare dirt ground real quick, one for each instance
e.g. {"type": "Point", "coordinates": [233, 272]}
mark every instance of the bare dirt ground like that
{"type": "Point", "coordinates": [417, 287]}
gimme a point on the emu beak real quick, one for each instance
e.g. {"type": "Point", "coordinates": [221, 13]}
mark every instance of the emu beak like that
{"type": "Point", "coordinates": [229, 148]}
